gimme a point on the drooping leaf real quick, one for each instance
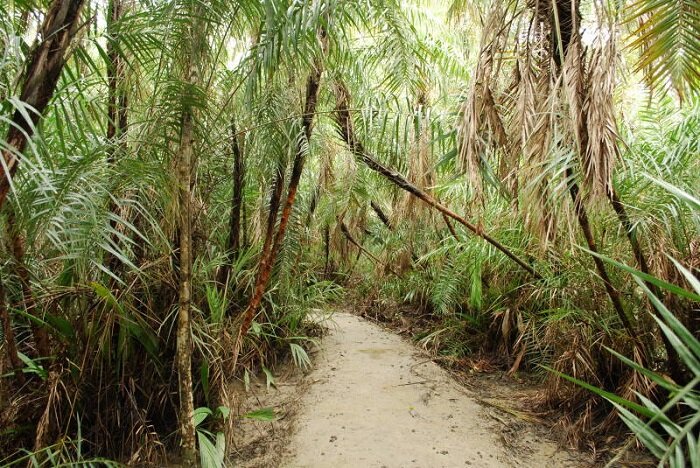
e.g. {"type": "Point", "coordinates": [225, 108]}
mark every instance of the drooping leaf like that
{"type": "Point", "coordinates": [264, 414]}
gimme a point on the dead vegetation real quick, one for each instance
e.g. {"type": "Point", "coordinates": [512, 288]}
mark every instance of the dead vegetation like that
{"type": "Point", "coordinates": [182, 182]}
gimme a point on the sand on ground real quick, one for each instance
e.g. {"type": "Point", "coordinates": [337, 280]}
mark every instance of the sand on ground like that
{"type": "Point", "coordinates": [373, 400]}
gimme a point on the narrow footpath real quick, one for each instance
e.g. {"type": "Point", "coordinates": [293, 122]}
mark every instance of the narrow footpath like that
{"type": "Point", "coordinates": [373, 400]}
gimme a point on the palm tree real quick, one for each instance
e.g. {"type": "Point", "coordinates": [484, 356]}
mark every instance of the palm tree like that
{"type": "Point", "coordinates": [168, 150]}
{"type": "Point", "coordinates": [575, 121]}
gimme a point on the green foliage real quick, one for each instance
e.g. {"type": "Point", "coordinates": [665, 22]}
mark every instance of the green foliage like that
{"type": "Point", "coordinates": [263, 414]}
{"type": "Point", "coordinates": [64, 453]}
{"type": "Point", "coordinates": [669, 429]}
{"type": "Point", "coordinates": [667, 425]}
{"type": "Point", "coordinates": [668, 34]}
{"type": "Point", "coordinates": [97, 217]}
{"type": "Point", "coordinates": [212, 447]}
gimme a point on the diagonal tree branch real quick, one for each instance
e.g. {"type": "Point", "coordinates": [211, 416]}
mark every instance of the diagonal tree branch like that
{"type": "Point", "coordinates": [43, 71]}
{"type": "Point", "coordinates": [345, 127]}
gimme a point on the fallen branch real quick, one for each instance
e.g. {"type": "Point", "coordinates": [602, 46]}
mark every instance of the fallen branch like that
{"type": "Point", "coordinates": [345, 127]}
{"type": "Point", "coordinates": [381, 215]}
{"type": "Point", "coordinates": [352, 240]}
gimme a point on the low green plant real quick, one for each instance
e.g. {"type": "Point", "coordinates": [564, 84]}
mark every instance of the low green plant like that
{"type": "Point", "coordinates": [669, 427]}
{"type": "Point", "coordinates": [68, 452]}
{"type": "Point", "coordinates": [212, 446]}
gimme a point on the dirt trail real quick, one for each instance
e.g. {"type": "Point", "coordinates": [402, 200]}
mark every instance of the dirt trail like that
{"type": "Point", "coordinates": [373, 400]}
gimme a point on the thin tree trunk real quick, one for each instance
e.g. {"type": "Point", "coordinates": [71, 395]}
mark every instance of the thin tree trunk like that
{"type": "Point", "coordinates": [116, 97]}
{"type": "Point", "coordinates": [567, 19]}
{"type": "Point", "coordinates": [266, 263]}
{"type": "Point", "coordinates": [381, 215]}
{"type": "Point", "coordinates": [314, 203]}
{"type": "Point", "coordinates": [233, 246]}
{"type": "Point", "coordinates": [184, 322]}
{"type": "Point", "coordinates": [41, 336]}
{"type": "Point", "coordinates": [295, 178]}
{"type": "Point", "coordinates": [344, 121]}
{"type": "Point", "coordinates": [275, 199]}
{"type": "Point", "coordinates": [585, 225]}
{"type": "Point", "coordinates": [116, 112]}
{"type": "Point", "coordinates": [346, 233]}
{"type": "Point", "coordinates": [234, 236]}
{"type": "Point", "coordinates": [10, 342]}
{"type": "Point", "coordinates": [326, 249]}
{"type": "Point", "coordinates": [450, 227]}
{"type": "Point", "coordinates": [629, 232]}
{"type": "Point", "coordinates": [675, 367]}
{"type": "Point", "coordinates": [43, 71]}
{"type": "Point", "coordinates": [185, 165]}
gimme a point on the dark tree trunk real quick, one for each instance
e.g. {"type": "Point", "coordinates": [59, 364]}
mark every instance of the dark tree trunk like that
{"type": "Point", "coordinates": [267, 261]}
{"type": "Point", "coordinates": [585, 225]}
{"type": "Point", "coordinates": [43, 70]}
{"type": "Point", "coordinates": [450, 227]}
{"type": "Point", "coordinates": [326, 249]}
{"type": "Point", "coordinates": [116, 112]}
{"type": "Point", "coordinates": [233, 242]}
{"type": "Point", "coordinates": [381, 215]}
{"type": "Point", "coordinates": [675, 368]}
{"type": "Point", "coordinates": [10, 342]}
{"type": "Point", "coordinates": [565, 26]}
{"type": "Point", "coordinates": [275, 199]}
{"type": "Point", "coordinates": [41, 336]}
{"type": "Point", "coordinates": [566, 15]}
{"type": "Point", "coordinates": [361, 250]}
{"type": "Point", "coordinates": [116, 73]}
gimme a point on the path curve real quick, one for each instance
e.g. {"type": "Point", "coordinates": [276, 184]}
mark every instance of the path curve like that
{"type": "Point", "coordinates": [374, 401]}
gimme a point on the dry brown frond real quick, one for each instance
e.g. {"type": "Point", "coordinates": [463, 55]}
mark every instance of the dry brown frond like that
{"type": "Point", "coordinates": [574, 90]}
{"type": "Point", "coordinates": [479, 114]}
{"type": "Point", "coordinates": [42, 438]}
{"type": "Point", "coordinates": [524, 117]}
{"type": "Point", "coordinates": [599, 157]}
{"type": "Point", "coordinates": [420, 168]}
{"type": "Point", "coordinates": [540, 213]}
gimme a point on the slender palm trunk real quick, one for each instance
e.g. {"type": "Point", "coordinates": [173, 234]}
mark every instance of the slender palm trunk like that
{"type": "Point", "coordinates": [9, 334]}
{"type": "Point", "coordinates": [624, 219]}
{"type": "Point", "coordinates": [184, 321]}
{"type": "Point", "coordinates": [18, 244]}
{"type": "Point", "coordinates": [233, 243]}
{"type": "Point", "coordinates": [267, 261]}
{"type": "Point", "coordinates": [299, 160]}
{"type": "Point", "coordinates": [116, 111]}
{"type": "Point", "coordinates": [675, 368]}
{"type": "Point", "coordinates": [450, 227]}
{"type": "Point", "coordinates": [346, 232]}
{"type": "Point", "coordinates": [582, 217]}
{"type": "Point", "coordinates": [43, 71]}
{"type": "Point", "coordinates": [344, 121]}
{"type": "Point", "coordinates": [116, 95]}
{"type": "Point", "coordinates": [274, 206]}
{"type": "Point", "coordinates": [381, 215]}
{"type": "Point", "coordinates": [565, 33]}
{"type": "Point", "coordinates": [314, 202]}
{"type": "Point", "coordinates": [326, 249]}
{"type": "Point", "coordinates": [185, 166]}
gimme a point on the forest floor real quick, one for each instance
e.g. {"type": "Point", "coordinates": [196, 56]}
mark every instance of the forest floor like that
{"type": "Point", "coordinates": [372, 399]}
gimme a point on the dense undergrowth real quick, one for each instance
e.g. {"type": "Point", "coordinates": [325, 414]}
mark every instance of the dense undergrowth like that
{"type": "Point", "coordinates": [185, 181]}
{"type": "Point", "coordinates": [462, 300]}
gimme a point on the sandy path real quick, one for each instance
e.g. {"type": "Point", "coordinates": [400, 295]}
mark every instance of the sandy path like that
{"type": "Point", "coordinates": [376, 402]}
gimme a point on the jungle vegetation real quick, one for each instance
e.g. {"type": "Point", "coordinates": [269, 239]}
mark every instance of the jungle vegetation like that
{"type": "Point", "coordinates": [183, 181]}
